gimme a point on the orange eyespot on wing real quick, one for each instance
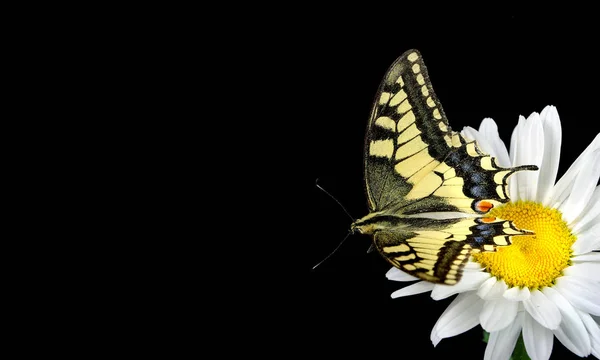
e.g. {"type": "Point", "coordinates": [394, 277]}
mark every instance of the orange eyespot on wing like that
{"type": "Point", "coordinates": [484, 206]}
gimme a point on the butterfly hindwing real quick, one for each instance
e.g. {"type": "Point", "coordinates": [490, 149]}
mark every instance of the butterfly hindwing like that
{"type": "Point", "coordinates": [437, 250]}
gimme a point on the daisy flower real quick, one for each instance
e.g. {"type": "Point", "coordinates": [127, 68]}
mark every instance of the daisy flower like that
{"type": "Point", "coordinates": [543, 285]}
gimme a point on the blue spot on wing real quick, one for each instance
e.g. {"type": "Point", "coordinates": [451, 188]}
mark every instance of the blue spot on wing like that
{"type": "Point", "coordinates": [477, 177]}
{"type": "Point", "coordinates": [478, 191]}
{"type": "Point", "coordinates": [479, 239]}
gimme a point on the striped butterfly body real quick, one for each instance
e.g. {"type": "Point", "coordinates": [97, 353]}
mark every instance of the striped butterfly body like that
{"type": "Point", "coordinates": [428, 188]}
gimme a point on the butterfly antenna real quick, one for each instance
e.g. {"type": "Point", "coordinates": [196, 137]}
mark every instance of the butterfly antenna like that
{"type": "Point", "coordinates": [334, 199]}
{"type": "Point", "coordinates": [334, 250]}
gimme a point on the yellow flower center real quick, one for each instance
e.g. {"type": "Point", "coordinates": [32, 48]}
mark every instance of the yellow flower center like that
{"type": "Point", "coordinates": [534, 261]}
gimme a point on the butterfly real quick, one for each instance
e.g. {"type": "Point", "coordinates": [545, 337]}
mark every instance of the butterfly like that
{"type": "Point", "coordinates": [428, 188]}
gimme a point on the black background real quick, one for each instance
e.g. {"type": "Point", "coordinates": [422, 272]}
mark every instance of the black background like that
{"type": "Point", "coordinates": [499, 64]}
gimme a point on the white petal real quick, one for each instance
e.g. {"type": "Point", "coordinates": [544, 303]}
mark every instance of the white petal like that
{"type": "Point", "coordinates": [571, 332]}
{"type": "Point", "coordinates": [563, 187]}
{"type": "Point", "coordinates": [595, 257]}
{"type": "Point", "coordinates": [584, 270]}
{"type": "Point", "coordinates": [552, 141]}
{"type": "Point", "coordinates": [473, 266]}
{"type": "Point", "coordinates": [498, 314]}
{"type": "Point", "coordinates": [399, 275]}
{"type": "Point", "coordinates": [587, 240]}
{"type": "Point", "coordinates": [502, 343]}
{"type": "Point", "coordinates": [591, 326]}
{"type": "Point", "coordinates": [443, 215]}
{"type": "Point", "coordinates": [471, 134]}
{"type": "Point", "coordinates": [591, 212]}
{"type": "Point", "coordinates": [516, 294]}
{"type": "Point", "coordinates": [489, 130]}
{"type": "Point", "coordinates": [568, 341]}
{"type": "Point", "coordinates": [594, 340]}
{"type": "Point", "coordinates": [538, 339]}
{"type": "Point", "coordinates": [461, 315]}
{"type": "Point", "coordinates": [486, 286]}
{"type": "Point", "coordinates": [588, 224]}
{"type": "Point", "coordinates": [495, 290]}
{"type": "Point", "coordinates": [413, 289]}
{"type": "Point", "coordinates": [593, 330]}
{"type": "Point", "coordinates": [513, 181]}
{"type": "Point", "coordinates": [583, 294]}
{"type": "Point", "coordinates": [583, 187]}
{"type": "Point", "coordinates": [543, 310]}
{"type": "Point", "coordinates": [469, 281]}
{"type": "Point", "coordinates": [530, 152]}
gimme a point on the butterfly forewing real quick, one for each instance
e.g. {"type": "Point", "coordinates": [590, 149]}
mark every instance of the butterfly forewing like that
{"type": "Point", "coordinates": [413, 159]}
{"type": "Point", "coordinates": [437, 250]}
{"type": "Point", "coordinates": [408, 133]}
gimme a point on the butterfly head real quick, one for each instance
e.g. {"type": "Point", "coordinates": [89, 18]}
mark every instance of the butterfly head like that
{"type": "Point", "coordinates": [366, 225]}
{"type": "Point", "coordinates": [357, 228]}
